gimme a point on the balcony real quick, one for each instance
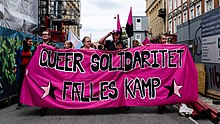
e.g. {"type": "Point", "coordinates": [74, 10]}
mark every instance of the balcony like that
{"type": "Point", "coordinates": [162, 13]}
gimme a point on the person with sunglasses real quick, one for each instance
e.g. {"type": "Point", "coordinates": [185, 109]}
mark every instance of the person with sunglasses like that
{"type": "Point", "coordinates": [46, 35]}
{"type": "Point", "coordinates": [47, 41]}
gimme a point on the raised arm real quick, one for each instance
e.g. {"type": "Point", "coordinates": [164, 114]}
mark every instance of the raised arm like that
{"type": "Point", "coordinates": [102, 40]}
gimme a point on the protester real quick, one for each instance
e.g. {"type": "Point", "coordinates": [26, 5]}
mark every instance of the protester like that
{"type": "Point", "coordinates": [93, 46]}
{"type": "Point", "coordinates": [119, 45]}
{"type": "Point", "coordinates": [135, 43]}
{"type": "Point", "coordinates": [86, 43]}
{"type": "Point", "coordinates": [23, 57]}
{"type": "Point", "coordinates": [46, 40]}
{"type": "Point", "coordinates": [101, 47]}
{"type": "Point", "coordinates": [68, 44]}
{"type": "Point", "coordinates": [111, 46]}
{"type": "Point", "coordinates": [108, 44]}
{"type": "Point", "coordinates": [163, 40]}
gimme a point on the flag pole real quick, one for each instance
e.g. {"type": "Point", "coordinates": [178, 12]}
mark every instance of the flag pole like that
{"type": "Point", "coordinates": [130, 41]}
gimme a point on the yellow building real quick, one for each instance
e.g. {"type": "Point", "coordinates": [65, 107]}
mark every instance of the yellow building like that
{"type": "Point", "coordinates": [156, 13]}
{"type": "Point", "coordinates": [72, 17]}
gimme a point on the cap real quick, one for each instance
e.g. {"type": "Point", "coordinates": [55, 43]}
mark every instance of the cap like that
{"type": "Point", "coordinates": [116, 32]}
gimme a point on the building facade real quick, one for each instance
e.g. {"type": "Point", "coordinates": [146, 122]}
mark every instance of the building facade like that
{"type": "Point", "coordinates": [201, 34]}
{"type": "Point", "coordinates": [180, 11]}
{"type": "Point", "coordinates": [140, 26]}
{"type": "Point", "coordinates": [59, 16]}
{"type": "Point", "coordinates": [73, 15]}
{"type": "Point", "coordinates": [155, 11]}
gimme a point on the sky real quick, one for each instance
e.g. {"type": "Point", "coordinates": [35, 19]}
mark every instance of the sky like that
{"type": "Point", "coordinates": [97, 16]}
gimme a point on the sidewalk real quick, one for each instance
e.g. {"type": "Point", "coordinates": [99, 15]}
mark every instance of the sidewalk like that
{"type": "Point", "coordinates": [209, 102]}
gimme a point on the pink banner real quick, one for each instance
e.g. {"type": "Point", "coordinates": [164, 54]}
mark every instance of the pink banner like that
{"type": "Point", "coordinates": [81, 79]}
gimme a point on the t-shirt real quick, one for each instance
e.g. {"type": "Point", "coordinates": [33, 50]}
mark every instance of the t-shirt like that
{"type": "Point", "coordinates": [26, 56]}
{"type": "Point", "coordinates": [109, 45]}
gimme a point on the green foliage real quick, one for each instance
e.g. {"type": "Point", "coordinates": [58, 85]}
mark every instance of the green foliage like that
{"type": "Point", "coordinates": [7, 58]}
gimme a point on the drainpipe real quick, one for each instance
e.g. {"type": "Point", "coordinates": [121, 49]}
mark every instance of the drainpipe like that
{"type": "Point", "coordinates": [164, 2]}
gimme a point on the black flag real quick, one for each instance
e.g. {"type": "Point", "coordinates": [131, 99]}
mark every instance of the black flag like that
{"type": "Point", "coordinates": [129, 25]}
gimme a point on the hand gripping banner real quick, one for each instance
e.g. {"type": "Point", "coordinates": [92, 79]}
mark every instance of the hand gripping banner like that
{"type": "Point", "coordinates": [82, 79]}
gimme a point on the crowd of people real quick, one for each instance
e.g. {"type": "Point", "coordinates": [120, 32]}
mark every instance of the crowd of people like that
{"type": "Point", "coordinates": [26, 51]}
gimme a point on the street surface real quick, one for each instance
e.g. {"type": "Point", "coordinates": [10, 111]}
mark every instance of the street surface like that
{"type": "Point", "coordinates": [136, 115]}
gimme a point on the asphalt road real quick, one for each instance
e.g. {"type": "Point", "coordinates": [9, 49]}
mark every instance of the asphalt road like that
{"type": "Point", "coordinates": [136, 115]}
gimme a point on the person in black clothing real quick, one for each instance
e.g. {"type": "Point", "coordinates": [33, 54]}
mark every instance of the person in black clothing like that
{"type": "Point", "coordinates": [46, 35]}
{"type": "Point", "coordinates": [119, 45]}
{"type": "Point", "coordinates": [163, 40]}
{"type": "Point", "coordinates": [46, 40]}
{"type": "Point", "coordinates": [108, 44]}
{"type": "Point", "coordinates": [112, 46]}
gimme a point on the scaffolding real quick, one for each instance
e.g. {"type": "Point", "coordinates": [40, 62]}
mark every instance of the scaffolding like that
{"type": "Point", "coordinates": [58, 16]}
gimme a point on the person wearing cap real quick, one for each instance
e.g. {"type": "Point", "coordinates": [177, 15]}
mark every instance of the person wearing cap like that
{"type": "Point", "coordinates": [114, 45]}
{"type": "Point", "coordinates": [108, 44]}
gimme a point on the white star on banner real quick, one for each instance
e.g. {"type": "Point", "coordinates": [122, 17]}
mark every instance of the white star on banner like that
{"type": "Point", "coordinates": [46, 90]}
{"type": "Point", "coordinates": [26, 72]}
{"type": "Point", "coordinates": [176, 89]}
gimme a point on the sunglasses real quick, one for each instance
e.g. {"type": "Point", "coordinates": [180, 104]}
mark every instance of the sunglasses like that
{"type": "Point", "coordinates": [45, 34]}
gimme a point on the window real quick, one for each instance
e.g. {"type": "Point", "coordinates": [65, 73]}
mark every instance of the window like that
{"type": "Point", "coordinates": [170, 27]}
{"type": "Point", "coordinates": [178, 3]}
{"type": "Point", "coordinates": [170, 6]}
{"type": "Point", "coordinates": [198, 10]}
{"type": "Point", "coordinates": [138, 23]}
{"type": "Point", "coordinates": [179, 20]}
{"type": "Point", "coordinates": [138, 20]}
{"type": "Point", "coordinates": [209, 5]}
{"type": "Point", "coordinates": [174, 22]}
{"type": "Point", "coordinates": [174, 4]}
{"type": "Point", "coordinates": [138, 37]}
{"type": "Point", "coordinates": [185, 17]}
{"type": "Point", "coordinates": [191, 14]}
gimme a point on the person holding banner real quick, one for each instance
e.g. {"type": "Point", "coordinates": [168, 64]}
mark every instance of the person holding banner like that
{"type": "Point", "coordinates": [119, 45]}
{"type": "Point", "coordinates": [87, 43]}
{"type": "Point", "coordinates": [135, 43]}
{"type": "Point", "coordinates": [111, 45]}
{"type": "Point", "coordinates": [163, 40]}
{"type": "Point", "coordinates": [23, 57]}
{"type": "Point", "coordinates": [68, 45]}
{"type": "Point", "coordinates": [46, 35]}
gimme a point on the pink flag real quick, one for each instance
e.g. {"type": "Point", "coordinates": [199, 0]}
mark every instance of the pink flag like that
{"type": "Point", "coordinates": [118, 24]}
{"type": "Point", "coordinates": [146, 41]}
